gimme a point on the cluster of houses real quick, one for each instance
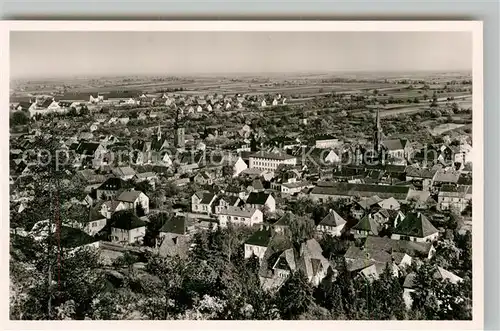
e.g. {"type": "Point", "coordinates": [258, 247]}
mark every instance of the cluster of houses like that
{"type": "Point", "coordinates": [45, 104]}
{"type": "Point", "coordinates": [269, 172]}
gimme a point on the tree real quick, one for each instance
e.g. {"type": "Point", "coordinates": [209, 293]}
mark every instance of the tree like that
{"type": "Point", "coordinates": [295, 296]}
{"type": "Point", "coordinates": [19, 118]}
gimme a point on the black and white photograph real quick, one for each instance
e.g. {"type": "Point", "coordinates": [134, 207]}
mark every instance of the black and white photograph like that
{"type": "Point", "coordinates": [323, 172]}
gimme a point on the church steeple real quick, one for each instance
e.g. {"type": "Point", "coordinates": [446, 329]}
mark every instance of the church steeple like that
{"type": "Point", "coordinates": [377, 133]}
{"type": "Point", "coordinates": [158, 133]}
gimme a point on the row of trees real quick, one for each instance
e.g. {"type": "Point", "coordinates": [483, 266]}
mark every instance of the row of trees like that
{"type": "Point", "coordinates": [216, 282]}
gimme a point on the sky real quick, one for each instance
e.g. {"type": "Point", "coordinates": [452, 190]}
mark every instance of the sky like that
{"type": "Point", "coordinates": [57, 54]}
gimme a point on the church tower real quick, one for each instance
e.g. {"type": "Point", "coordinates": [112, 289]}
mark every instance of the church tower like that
{"type": "Point", "coordinates": [377, 139]}
{"type": "Point", "coordinates": [179, 134]}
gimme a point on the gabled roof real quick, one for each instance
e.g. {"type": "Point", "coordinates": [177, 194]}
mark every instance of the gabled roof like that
{"type": "Point", "coordinates": [46, 103]}
{"type": "Point", "coordinates": [364, 190]}
{"type": "Point", "coordinates": [412, 171]}
{"type": "Point", "coordinates": [123, 171]}
{"type": "Point", "coordinates": [205, 197]}
{"type": "Point", "coordinates": [236, 211]}
{"type": "Point", "coordinates": [445, 274]}
{"type": "Point", "coordinates": [447, 176]}
{"type": "Point", "coordinates": [366, 203]}
{"type": "Point", "coordinates": [111, 204]}
{"type": "Point", "coordinates": [257, 184]}
{"type": "Point", "coordinates": [415, 225]}
{"type": "Point", "coordinates": [126, 220]}
{"type": "Point", "coordinates": [367, 224]}
{"type": "Point", "coordinates": [394, 144]}
{"type": "Point", "coordinates": [176, 224]}
{"type": "Point", "coordinates": [257, 198]}
{"type": "Point", "coordinates": [129, 196]}
{"type": "Point", "coordinates": [332, 219]}
{"type": "Point", "coordinates": [259, 238]}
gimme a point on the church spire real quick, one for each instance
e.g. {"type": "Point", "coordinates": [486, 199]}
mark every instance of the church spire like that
{"type": "Point", "coordinates": [158, 133]}
{"type": "Point", "coordinates": [378, 133]}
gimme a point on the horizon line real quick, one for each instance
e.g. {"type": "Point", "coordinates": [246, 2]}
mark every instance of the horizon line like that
{"type": "Point", "coordinates": [243, 73]}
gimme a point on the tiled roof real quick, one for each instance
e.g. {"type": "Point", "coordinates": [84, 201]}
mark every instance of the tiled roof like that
{"type": "Point", "coordinates": [367, 224]}
{"type": "Point", "coordinates": [126, 220]}
{"type": "Point", "coordinates": [415, 225]}
{"type": "Point", "coordinates": [351, 189]}
{"type": "Point", "coordinates": [332, 219]}
{"type": "Point", "coordinates": [257, 198]}
{"type": "Point", "coordinates": [129, 196]}
{"type": "Point", "coordinates": [259, 238]}
{"type": "Point", "coordinates": [176, 224]}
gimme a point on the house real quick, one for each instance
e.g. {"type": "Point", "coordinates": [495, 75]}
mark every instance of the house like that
{"type": "Point", "coordinates": [256, 186]}
{"type": "Point", "coordinates": [97, 222]}
{"type": "Point", "coordinates": [110, 188]}
{"type": "Point", "coordinates": [145, 176]}
{"type": "Point", "coordinates": [204, 178]}
{"type": "Point", "coordinates": [363, 206]}
{"type": "Point", "coordinates": [294, 187]}
{"type": "Point", "coordinates": [422, 176]}
{"type": "Point", "coordinates": [239, 216]}
{"type": "Point", "coordinates": [277, 266]}
{"type": "Point", "coordinates": [224, 201]}
{"type": "Point", "coordinates": [462, 153]}
{"type": "Point", "coordinates": [239, 166]}
{"type": "Point", "coordinates": [398, 150]}
{"type": "Point", "coordinates": [365, 227]}
{"type": "Point", "coordinates": [456, 197]}
{"type": "Point", "coordinates": [326, 141]}
{"type": "Point", "coordinates": [201, 202]}
{"type": "Point", "coordinates": [124, 173]}
{"type": "Point", "coordinates": [27, 106]}
{"type": "Point", "coordinates": [270, 161]}
{"type": "Point", "coordinates": [134, 200]}
{"type": "Point", "coordinates": [389, 203]}
{"type": "Point", "coordinates": [96, 98]}
{"type": "Point", "coordinates": [108, 208]}
{"type": "Point", "coordinates": [332, 224]}
{"type": "Point", "coordinates": [415, 227]}
{"type": "Point", "coordinates": [91, 152]}
{"type": "Point", "coordinates": [337, 191]}
{"type": "Point", "coordinates": [257, 243]}
{"type": "Point", "coordinates": [263, 104]}
{"type": "Point", "coordinates": [261, 200]}
{"type": "Point", "coordinates": [439, 274]}
{"type": "Point", "coordinates": [173, 238]}
{"type": "Point", "coordinates": [446, 176]}
{"type": "Point", "coordinates": [412, 249]}
{"type": "Point", "coordinates": [127, 228]}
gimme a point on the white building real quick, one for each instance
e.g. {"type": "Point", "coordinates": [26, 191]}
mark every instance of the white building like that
{"type": "Point", "coordinates": [132, 199]}
{"type": "Point", "coordinates": [257, 244]}
{"type": "Point", "coordinates": [270, 161]}
{"type": "Point", "coordinates": [239, 166]}
{"type": "Point", "coordinates": [415, 227]}
{"type": "Point", "coordinates": [332, 224]}
{"type": "Point", "coordinates": [240, 216]}
{"type": "Point", "coordinates": [127, 228]}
